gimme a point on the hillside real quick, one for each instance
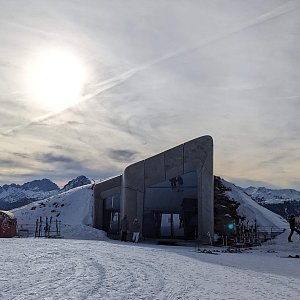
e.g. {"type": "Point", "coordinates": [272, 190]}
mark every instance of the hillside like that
{"type": "Point", "coordinates": [74, 209]}
{"type": "Point", "coordinates": [251, 209]}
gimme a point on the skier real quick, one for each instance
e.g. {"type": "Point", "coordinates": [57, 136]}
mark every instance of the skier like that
{"type": "Point", "coordinates": [124, 228]}
{"type": "Point", "coordinates": [136, 230]}
{"type": "Point", "coordinates": [293, 228]}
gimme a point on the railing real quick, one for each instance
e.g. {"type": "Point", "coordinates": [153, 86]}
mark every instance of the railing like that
{"type": "Point", "coordinates": [245, 236]}
{"type": "Point", "coordinates": [269, 232]}
{"type": "Point", "coordinates": [25, 230]}
{"type": "Point", "coordinates": [41, 228]}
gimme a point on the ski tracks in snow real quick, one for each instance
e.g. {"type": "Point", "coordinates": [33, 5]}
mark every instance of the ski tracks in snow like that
{"type": "Point", "coordinates": [73, 269]}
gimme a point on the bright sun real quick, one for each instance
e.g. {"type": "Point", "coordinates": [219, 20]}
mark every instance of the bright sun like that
{"type": "Point", "coordinates": [56, 80]}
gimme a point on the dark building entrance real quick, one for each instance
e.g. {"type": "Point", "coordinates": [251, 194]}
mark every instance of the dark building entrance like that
{"type": "Point", "coordinates": [163, 225]}
{"type": "Point", "coordinates": [111, 214]}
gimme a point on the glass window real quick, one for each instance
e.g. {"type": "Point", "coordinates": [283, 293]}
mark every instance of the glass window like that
{"type": "Point", "coordinates": [170, 208]}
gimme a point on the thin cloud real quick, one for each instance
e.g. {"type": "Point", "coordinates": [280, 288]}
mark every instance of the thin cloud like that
{"type": "Point", "coordinates": [228, 69]}
{"type": "Point", "coordinates": [122, 155]}
{"type": "Point", "coordinates": [117, 80]}
{"type": "Point", "coordinates": [54, 158]}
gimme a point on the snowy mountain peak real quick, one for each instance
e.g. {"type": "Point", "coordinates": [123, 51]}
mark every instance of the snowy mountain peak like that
{"type": "Point", "coordinates": [15, 195]}
{"type": "Point", "coordinates": [78, 181]}
{"type": "Point", "coordinates": [44, 185]}
{"type": "Point", "coordinates": [264, 195]}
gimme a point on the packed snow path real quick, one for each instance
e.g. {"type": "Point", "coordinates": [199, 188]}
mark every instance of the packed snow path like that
{"type": "Point", "coordinates": [75, 269]}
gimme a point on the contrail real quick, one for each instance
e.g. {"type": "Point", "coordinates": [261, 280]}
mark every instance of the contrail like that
{"type": "Point", "coordinates": [29, 28]}
{"type": "Point", "coordinates": [114, 81]}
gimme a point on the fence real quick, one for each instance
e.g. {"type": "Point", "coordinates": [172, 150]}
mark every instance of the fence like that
{"type": "Point", "coordinates": [254, 235]}
{"type": "Point", "coordinates": [245, 234]}
{"type": "Point", "coordinates": [269, 232]}
{"type": "Point", "coordinates": [46, 227]}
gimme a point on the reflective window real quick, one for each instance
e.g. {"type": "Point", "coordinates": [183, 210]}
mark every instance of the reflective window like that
{"type": "Point", "coordinates": [170, 208]}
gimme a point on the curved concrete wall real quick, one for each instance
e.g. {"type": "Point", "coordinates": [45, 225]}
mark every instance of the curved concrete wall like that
{"type": "Point", "coordinates": [195, 155]}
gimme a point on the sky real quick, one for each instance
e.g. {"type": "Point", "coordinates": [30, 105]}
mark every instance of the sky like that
{"type": "Point", "coordinates": [89, 87]}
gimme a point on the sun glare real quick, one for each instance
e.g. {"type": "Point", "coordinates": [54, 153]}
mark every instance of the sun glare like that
{"type": "Point", "coordinates": [56, 80]}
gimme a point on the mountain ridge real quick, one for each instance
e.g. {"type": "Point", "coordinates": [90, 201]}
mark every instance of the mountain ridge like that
{"type": "Point", "coordinates": [16, 195]}
{"type": "Point", "coordinates": [280, 201]}
{"type": "Point", "coordinates": [270, 196]}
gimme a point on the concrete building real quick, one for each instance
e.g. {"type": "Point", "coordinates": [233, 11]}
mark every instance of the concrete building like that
{"type": "Point", "coordinates": [170, 193]}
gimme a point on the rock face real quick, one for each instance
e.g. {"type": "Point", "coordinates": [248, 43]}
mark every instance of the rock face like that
{"type": "Point", "coordinates": [44, 185]}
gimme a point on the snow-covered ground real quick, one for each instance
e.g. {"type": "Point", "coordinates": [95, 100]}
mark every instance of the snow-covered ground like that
{"type": "Point", "coordinates": [80, 269]}
{"type": "Point", "coordinates": [74, 209]}
{"type": "Point", "coordinates": [86, 265]}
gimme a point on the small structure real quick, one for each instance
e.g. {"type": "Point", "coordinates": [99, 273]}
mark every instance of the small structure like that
{"type": "Point", "coordinates": [8, 224]}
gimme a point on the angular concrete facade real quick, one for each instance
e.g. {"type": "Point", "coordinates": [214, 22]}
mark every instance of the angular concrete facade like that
{"type": "Point", "coordinates": [193, 156]}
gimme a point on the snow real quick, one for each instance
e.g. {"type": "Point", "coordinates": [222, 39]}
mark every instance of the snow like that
{"type": "Point", "coordinates": [13, 194]}
{"type": "Point", "coordinates": [72, 208]}
{"type": "Point", "coordinates": [252, 210]}
{"type": "Point", "coordinates": [85, 264]}
{"type": "Point", "coordinates": [76, 269]}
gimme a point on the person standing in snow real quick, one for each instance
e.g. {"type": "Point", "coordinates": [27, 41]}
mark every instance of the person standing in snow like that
{"type": "Point", "coordinates": [124, 228]}
{"type": "Point", "coordinates": [292, 222]}
{"type": "Point", "coordinates": [136, 230]}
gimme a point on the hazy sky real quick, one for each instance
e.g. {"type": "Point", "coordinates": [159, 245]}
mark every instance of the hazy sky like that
{"type": "Point", "coordinates": [89, 86]}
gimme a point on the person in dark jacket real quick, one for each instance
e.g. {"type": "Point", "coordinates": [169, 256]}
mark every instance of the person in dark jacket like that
{"type": "Point", "coordinates": [293, 228]}
{"type": "Point", "coordinates": [136, 227]}
{"type": "Point", "coordinates": [124, 228]}
{"type": "Point", "coordinates": [179, 181]}
{"type": "Point", "coordinates": [173, 182]}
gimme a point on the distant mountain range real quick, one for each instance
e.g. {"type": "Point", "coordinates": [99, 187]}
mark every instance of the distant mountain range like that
{"type": "Point", "coordinates": [263, 195]}
{"type": "Point", "coordinates": [283, 202]}
{"type": "Point", "coordinates": [15, 195]}
{"type": "Point", "coordinates": [78, 181]}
